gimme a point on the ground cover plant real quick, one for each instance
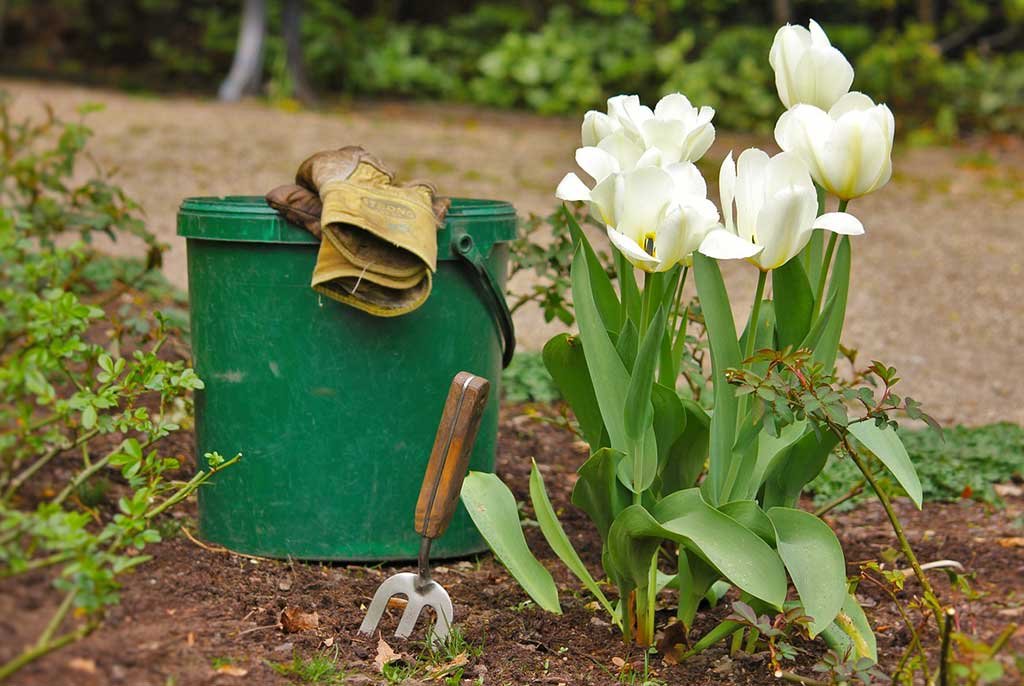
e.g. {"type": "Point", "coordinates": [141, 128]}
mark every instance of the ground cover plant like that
{"type": "Point", "coordinates": [696, 490]}
{"type": "Point", "coordinates": [88, 389]}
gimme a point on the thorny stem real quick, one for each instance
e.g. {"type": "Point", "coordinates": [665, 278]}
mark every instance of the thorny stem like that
{"type": "Point", "coordinates": [29, 471]}
{"type": "Point", "coordinates": [836, 502]}
{"type": "Point", "coordinates": [84, 475]}
{"type": "Point", "coordinates": [897, 527]}
{"type": "Point", "coordinates": [915, 638]}
{"type": "Point", "coordinates": [34, 653]}
{"type": "Point", "coordinates": [947, 631]}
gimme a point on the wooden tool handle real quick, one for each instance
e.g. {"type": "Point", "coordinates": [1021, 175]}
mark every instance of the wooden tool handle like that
{"type": "Point", "coordinates": [449, 459]}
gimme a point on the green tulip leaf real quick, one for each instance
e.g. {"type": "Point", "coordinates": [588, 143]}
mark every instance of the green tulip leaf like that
{"type": "Point", "coordinates": [557, 539]}
{"type": "Point", "coordinates": [885, 443]}
{"type": "Point", "coordinates": [735, 551]}
{"type": "Point", "coordinates": [603, 361]}
{"type": "Point", "coordinates": [492, 507]}
{"type": "Point", "coordinates": [749, 514]}
{"type": "Point", "coordinates": [812, 555]}
{"type": "Point", "coordinates": [689, 452]}
{"type": "Point", "coordinates": [564, 359]}
{"type": "Point", "coordinates": [725, 354]}
{"type": "Point", "coordinates": [669, 420]}
{"type": "Point", "coordinates": [598, 490]}
{"type": "Point", "coordinates": [696, 579]}
{"type": "Point", "coordinates": [638, 411]}
{"type": "Point", "coordinates": [794, 303]}
{"type": "Point", "coordinates": [826, 348]}
{"type": "Point", "coordinates": [851, 633]}
{"type": "Point", "coordinates": [603, 291]}
{"type": "Point", "coordinates": [796, 467]}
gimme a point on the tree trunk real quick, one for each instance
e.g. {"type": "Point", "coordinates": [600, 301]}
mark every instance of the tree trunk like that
{"type": "Point", "coordinates": [782, 11]}
{"type": "Point", "coordinates": [292, 20]}
{"type": "Point", "coordinates": [247, 67]}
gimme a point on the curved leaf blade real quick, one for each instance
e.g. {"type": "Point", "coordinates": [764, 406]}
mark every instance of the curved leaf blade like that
{"type": "Point", "coordinates": [812, 555]}
{"type": "Point", "coordinates": [492, 507]}
{"type": "Point", "coordinates": [887, 446]}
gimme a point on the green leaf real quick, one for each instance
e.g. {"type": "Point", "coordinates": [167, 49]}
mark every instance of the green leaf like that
{"type": "Point", "coordinates": [797, 467]}
{"type": "Point", "coordinates": [669, 420]}
{"type": "Point", "coordinates": [725, 354]}
{"type": "Point", "coordinates": [812, 555]}
{"type": "Point", "coordinates": [827, 346]}
{"type": "Point", "coordinates": [689, 452]}
{"type": "Point", "coordinates": [749, 514]}
{"type": "Point", "coordinates": [565, 362]}
{"type": "Point", "coordinates": [811, 256]}
{"type": "Point", "coordinates": [556, 538]}
{"type": "Point", "coordinates": [885, 443]}
{"type": "Point", "coordinates": [735, 551]}
{"type": "Point", "coordinates": [599, 492]}
{"type": "Point", "coordinates": [770, 449]}
{"type": "Point", "coordinates": [627, 343]}
{"type": "Point", "coordinates": [794, 303]}
{"type": "Point", "coordinates": [603, 291]}
{"type": "Point", "coordinates": [696, 578]}
{"type": "Point", "coordinates": [851, 632]}
{"type": "Point", "coordinates": [628, 288]}
{"type": "Point", "coordinates": [638, 411]}
{"type": "Point", "coordinates": [602, 360]}
{"type": "Point", "coordinates": [89, 417]}
{"type": "Point", "coordinates": [492, 508]}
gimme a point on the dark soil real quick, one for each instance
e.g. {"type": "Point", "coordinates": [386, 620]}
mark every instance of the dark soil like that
{"type": "Point", "coordinates": [194, 608]}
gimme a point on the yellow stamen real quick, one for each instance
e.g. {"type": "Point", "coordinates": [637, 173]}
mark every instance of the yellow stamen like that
{"type": "Point", "coordinates": [649, 244]}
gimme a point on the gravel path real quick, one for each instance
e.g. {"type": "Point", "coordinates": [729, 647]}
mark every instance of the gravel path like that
{"type": "Point", "coordinates": [937, 286]}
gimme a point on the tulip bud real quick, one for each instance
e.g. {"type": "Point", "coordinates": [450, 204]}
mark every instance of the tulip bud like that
{"type": "Point", "coordinates": [807, 68]}
{"type": "Point", "coordinates": [848, 149]}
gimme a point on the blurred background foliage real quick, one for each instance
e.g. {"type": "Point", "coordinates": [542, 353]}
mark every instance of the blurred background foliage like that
{"type": "Point", "coordinates": [945, 66]}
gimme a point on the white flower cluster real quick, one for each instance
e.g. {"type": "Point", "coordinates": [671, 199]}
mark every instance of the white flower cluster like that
{"type": "Point", "coordinates": [653, 199]}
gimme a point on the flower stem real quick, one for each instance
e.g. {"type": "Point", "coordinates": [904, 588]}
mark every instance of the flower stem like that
{"type": "Point", "coordinates": [755, 315]}
{"type": "Point", "coordinates": [827, 262]}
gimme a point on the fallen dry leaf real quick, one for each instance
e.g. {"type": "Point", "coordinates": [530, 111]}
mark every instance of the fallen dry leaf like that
{"type": "Point", "coordinates": [460, 660]}
{"type": "Point", "coordinates": [190, 639]}
{"type": "Point", "coordinates": [294, 620]}
{"type": "Point", "coordinates": [385, 655]}
{"type": "Point", "coordinates": [1012, 542]}
{"type": "Point", "coordinates": [671, 642]}
{"type": "Point", "coordinates": [284, 585]}
{"type": "Point", "coordinates": [232, 670]}
{"type": "Point", "coordinates": [328, 642]}
{"type": "Point", "coordinates": [397, 603]}
{"type": "Point", "coordinates": [82, 664]}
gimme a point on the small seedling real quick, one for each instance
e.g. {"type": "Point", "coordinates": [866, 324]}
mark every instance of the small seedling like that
{"type": "Point", "coordinates": [321, 668]}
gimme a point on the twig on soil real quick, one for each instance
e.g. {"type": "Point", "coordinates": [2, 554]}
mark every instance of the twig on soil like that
{"type": "Point", "coordinates": [275, 625]}
{"type": "Point", "coordinates": [218, 548]}
{"type": "Point", "coordinates": [794, 678]}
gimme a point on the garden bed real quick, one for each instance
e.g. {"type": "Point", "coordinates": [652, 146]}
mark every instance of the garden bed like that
{"type": "Point", "coordinates": [199, 615]}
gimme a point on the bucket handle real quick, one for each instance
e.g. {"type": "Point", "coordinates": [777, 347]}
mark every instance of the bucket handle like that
{"type": "Point", "coordinates": [465, 247]}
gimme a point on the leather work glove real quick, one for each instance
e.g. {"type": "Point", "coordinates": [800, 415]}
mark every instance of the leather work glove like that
{"type": "Point", "coordinates": [379, 244]}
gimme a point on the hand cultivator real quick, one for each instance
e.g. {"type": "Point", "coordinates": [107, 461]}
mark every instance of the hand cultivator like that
{"type": "Point", "coordinates": [434, 509]}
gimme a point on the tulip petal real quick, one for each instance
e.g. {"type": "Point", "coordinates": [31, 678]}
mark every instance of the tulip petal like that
{"type": "Point", "coordinates": [624, 149]}
{"type": "Point", "coordinates": [673, 106]}
{"type": "Point", "coordinates": [599, 164]}
{"type": "Point", "coordinates": [784, 225]}
{"type": "Point", "coordinates": [727, 190]}
{"type": "Point", "coordinates": [688, 180]}
{"type": "Point", "coordinates": [604, 195]}
{"type": "Point", "coordinates": [722, 244]}
{"type": "Point", "coordinates": [646, 194]}
{"type": "Point", "coordinates": [631, 250]}
{"type": "Point", "coordinates": [839, 222]}
{"type": "Point", "coordinates": [571, 188]}
{"type": "Point", "coordinates": [854, 155]}
{"type": "Point", "coordinates": [804, 130]}
{"type": "Point", "coordinates": [853, 101]}
{"type": "Point", "coordinates": [666, 135]}
{"type": "Point", "coordinates": [750, 187]}
{"type": "Point", "coordinates": [697, 143]}
{"type": "Point", "coordinates": [818, 37]}
{"type": "Point", "coordinates": [822, 77]}
{"type": "Point", "coordinates": [596, 127]}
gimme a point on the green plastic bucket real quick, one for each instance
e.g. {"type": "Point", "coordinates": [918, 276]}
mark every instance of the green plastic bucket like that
{"type": "Point", "coordinates": [333, 410]}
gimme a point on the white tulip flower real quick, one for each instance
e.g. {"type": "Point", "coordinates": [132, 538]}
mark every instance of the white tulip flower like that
{"type": "Point", "coordinates": [631, 136]}
{"type": "Point", "coordinates": [771, 204]}
{"type": "Point", "coordinates": [654, 217]}
{"type": "Point", "coordinates": [807, 68]}
{"type": "Point", "coordinates": [848, 149]}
